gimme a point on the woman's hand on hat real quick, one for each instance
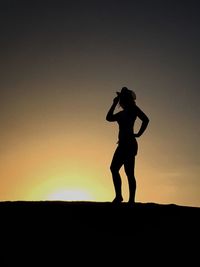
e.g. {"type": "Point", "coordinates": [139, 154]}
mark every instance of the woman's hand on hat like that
{"type": "Point", "coordinates": [116, 100]}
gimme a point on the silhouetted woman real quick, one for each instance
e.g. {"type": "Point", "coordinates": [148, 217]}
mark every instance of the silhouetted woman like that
{"type": "Point", "coordinates": [127, 144]}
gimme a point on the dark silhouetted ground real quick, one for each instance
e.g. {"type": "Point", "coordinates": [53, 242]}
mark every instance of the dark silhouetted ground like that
{"type": "Point", "coordinates": [98, 234]}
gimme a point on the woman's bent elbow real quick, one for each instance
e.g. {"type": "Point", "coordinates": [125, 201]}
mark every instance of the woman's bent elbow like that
{"type": "Point", "coordinates": [108, 118]}
{"type": "Point", "coordinates": [146, 120]}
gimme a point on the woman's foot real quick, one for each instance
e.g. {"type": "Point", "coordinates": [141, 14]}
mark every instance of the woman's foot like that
{"type": "Point", "coordinates": [117, 200]}
{"type": "Point", "coordinates": [131, 202]}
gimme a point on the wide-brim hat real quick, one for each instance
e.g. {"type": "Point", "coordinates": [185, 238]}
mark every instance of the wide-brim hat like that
{"type": "Point", "coordinates": [125, 92]}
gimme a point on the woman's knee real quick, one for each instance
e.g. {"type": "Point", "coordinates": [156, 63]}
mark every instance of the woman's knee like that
{"type": "Point", "coordinates": [114, 169]}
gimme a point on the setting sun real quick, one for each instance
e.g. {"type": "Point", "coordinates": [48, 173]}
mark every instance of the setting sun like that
{"type": "Point", "coordinates": [70, 195]}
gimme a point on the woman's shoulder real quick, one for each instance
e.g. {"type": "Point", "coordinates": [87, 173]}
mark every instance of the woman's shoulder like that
{"type": "Point", "coordinates": [137, 108]}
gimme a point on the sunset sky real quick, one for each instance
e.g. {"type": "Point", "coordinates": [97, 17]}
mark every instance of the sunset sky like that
{"type": "Point", "coordinates": [61, 63]}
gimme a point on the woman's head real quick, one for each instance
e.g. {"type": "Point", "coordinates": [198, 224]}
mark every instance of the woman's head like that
{"type": "Point", "coordinates": [126, 98]}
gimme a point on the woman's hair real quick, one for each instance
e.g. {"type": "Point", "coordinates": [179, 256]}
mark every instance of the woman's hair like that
{"type": "Point", "coordinates": [126, 98]}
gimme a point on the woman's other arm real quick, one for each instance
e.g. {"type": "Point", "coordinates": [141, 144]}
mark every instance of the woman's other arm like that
{"type": "Point", "coordinates": [145, 121]}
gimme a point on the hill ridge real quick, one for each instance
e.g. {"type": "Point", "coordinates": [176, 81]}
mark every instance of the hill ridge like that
{"type": "Point", "coordinates": [45, 232]}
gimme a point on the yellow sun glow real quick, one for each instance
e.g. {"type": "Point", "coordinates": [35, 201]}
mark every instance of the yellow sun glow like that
{"type": "Point", "coordinates": [70, 195]}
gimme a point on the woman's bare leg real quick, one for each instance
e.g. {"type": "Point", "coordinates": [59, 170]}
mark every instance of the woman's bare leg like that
{"type": "Point", "coordinates": [129, 167]}
{"type": "Point", "coordinates": [116, 164]}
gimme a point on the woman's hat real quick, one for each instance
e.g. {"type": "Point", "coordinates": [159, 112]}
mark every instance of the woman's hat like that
{"type": "Point", "coordinates": [125, 92]}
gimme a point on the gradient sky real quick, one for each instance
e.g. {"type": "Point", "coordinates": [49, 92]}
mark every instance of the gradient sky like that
{"type": "Point", "coordinates": [61, 63]}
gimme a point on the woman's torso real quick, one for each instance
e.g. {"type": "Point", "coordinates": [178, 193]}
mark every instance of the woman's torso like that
{"type": "Point", "coordinates": [126, 122]}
